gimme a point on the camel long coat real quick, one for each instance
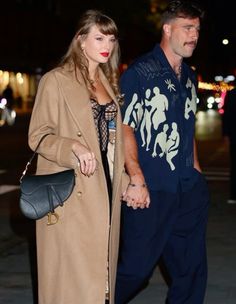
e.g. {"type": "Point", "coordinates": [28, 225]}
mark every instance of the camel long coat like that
{"type": "Point", "coordinates": [72, 254]}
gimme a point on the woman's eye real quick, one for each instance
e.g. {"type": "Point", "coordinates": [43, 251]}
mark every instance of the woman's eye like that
{"type": "Point", "coordinates": [113, 40]}
{"type": "Point", "coordinates": [99, 38]}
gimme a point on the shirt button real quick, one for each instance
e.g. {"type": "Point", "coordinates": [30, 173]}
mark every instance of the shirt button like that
{"type": "Point", "coordinates": [79, 134]}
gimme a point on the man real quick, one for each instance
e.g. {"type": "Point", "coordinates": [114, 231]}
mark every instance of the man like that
{"type": "Point", "coordinates": [167, 190]}
{"type": "Point", "coordinates": [230, 137]}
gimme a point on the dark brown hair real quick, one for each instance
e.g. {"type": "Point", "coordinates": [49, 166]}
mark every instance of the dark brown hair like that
{"type": "Point", "coordinates": [182, 9]}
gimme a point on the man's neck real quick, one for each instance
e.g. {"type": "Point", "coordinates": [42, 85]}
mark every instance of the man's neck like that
{"type": "Point", "coordinates": [174, 60]}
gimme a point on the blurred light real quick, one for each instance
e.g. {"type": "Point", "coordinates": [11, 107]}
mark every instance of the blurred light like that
{"type": "Point", "coordinates": [210, 100]}
{"type": "Point", "coordinates": [3, 103]}
{"type": "Point", "coordinates": [201, 115]}
{"type": "Point", "coordinates": [215, 87]}
{"type": "Point", "coordinates": [225, 41]}
{"type": "Point", "coordinates": [13, 114]}
{"type": "Point", "coordinates": [218, 99]}
{"type": "Point", "coordinates": [123, 67]}
{"type": "Point", "coordinates": [209, 106]}
{"type": "Point", "coordinates": [221, 111]}
{"type": "Point", "coordinates": [229, 78]}
{"type": "Point", "coordinates": [219, 78]}
{"type": "Point", "coordinates": [5, 77]}
{"type": "Point", "coordinates": [211, 112]}
{"type": "Point", "coordinates": [19, 78]}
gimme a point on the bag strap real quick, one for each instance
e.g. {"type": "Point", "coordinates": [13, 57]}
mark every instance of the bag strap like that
{"type": "Point", "coordinates": [32, 157]}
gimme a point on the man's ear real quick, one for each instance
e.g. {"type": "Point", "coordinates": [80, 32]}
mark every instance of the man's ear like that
{"type": "Point", "coordinates": [166, 29]}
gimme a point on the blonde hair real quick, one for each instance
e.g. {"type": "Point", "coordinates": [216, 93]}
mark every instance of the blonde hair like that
{"type": "Point", "coordinates": [75, 54]}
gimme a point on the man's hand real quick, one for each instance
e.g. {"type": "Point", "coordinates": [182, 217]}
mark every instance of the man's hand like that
{"type": "Point", "coordinates": [137, 195]}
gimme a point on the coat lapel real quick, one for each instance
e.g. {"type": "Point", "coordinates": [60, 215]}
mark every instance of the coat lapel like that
{"type": "Point", "coordinates": [77, 100]}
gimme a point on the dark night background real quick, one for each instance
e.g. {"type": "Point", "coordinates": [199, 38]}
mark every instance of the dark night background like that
{"type": "Point", "coordinates": [36, 33]}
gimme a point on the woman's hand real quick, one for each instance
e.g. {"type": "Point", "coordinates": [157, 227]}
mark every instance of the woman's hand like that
{"type": "Point", "coordinates": [86, 159]}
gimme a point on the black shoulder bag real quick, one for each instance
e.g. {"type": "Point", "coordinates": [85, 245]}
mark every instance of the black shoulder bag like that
{"type": "Point", "coordinates": [42, 194]}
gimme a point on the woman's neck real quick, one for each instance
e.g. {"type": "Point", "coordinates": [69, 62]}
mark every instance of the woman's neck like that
{"type": "Point", "coordinates": [94, 73]}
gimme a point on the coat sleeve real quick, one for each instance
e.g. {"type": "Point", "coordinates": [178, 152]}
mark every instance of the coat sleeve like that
{"type": "Point", "coordinates": [44, 120]}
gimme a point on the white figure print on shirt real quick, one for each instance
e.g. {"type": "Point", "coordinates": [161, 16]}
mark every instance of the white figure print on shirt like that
{"type": "Point", "coordinates": [172, 145]}
{"type": "Point", "coordinates": [161, 140]}
{"type": "Point", "coordinates": [169, 146]}
{"type": "Point", "coordinates": [135, 109]}
{"type": "Point", "coordinates": [150, 113]}
{"type": "Point", "coordinates": [190, 104]}
{"type": "Point", "coordinates": [153, 117]}
{"type": "Point", "coordinates": [146, 123]}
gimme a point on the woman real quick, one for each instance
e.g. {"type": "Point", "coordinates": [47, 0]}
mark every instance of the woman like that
{"type": "Point", "coordinates": [75, 104]}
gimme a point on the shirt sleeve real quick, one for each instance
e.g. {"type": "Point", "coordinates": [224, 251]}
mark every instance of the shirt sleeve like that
{"type": "Point", "coordinates": [132, 109]}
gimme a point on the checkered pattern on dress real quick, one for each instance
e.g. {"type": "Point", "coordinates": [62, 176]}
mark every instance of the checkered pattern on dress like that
{"type": "Point", "coordinates": [102, 114]}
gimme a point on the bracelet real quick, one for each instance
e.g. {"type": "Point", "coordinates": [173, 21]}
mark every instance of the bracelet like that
{"type": "Point", "coordinates": [137, 185]}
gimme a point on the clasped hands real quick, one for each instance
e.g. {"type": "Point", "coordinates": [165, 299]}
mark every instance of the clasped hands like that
{"type": "Point", "coordinates": [136, 195]}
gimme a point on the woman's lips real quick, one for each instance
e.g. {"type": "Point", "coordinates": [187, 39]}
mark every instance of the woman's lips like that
{"type": "Point", "coordinates": [105, 54]}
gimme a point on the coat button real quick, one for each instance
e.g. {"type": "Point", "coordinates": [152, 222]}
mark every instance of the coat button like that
{"type": "Point", "coordinates": [79, 134]}
{"type": "Point", "coordinates": [79, 193]}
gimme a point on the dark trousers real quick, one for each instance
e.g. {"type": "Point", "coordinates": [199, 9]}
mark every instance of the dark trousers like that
{"type": "Point", "coordinates": [172, 228]}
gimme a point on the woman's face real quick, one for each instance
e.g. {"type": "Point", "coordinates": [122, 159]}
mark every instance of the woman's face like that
{"type": "Point", "coordinates": [98, 47]}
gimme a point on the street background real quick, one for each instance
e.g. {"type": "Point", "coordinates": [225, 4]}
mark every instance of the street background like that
{"type": "Point", "coordinates": [17, 241]}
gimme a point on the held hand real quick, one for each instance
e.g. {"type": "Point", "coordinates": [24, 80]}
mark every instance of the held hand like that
{"type": "Point", "coordinates": [86, 158]}
{"type": "Point", "coordinates": [137, 196]}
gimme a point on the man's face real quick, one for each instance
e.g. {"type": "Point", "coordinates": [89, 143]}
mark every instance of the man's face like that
{"type": "Point", "coordinates": [183, 35]}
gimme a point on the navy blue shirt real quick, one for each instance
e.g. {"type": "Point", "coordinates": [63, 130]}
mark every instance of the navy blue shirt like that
{"type": "Point", "coordinates": [161, 109]}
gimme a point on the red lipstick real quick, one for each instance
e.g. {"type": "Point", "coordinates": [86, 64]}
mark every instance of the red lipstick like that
{"type": "Point", "coordinates": [105, 54]}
